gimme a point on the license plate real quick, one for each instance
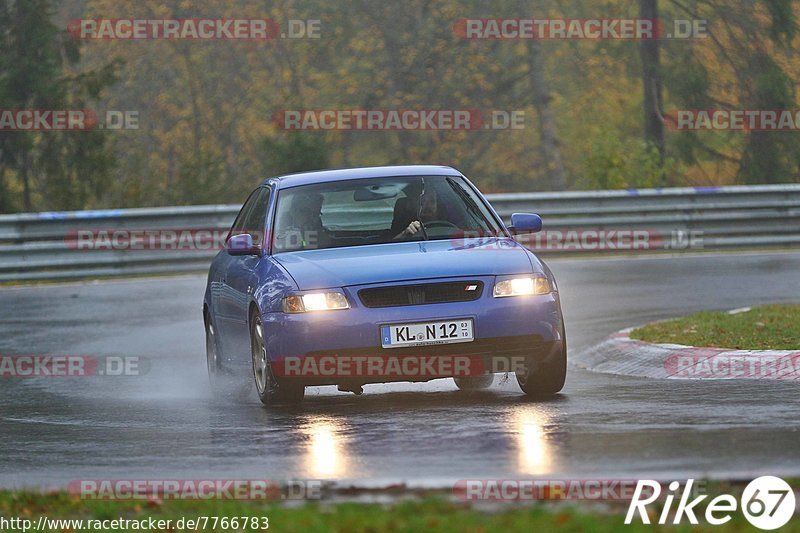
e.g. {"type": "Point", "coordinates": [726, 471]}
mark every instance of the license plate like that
{"type": "Point", "coordinates": [423, 333]}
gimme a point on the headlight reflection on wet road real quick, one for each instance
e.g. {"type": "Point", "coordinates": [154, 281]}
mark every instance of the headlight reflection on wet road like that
{"type": "Point", "coordinates": [326, 455]}
{"type": "Point", "coordinates": [534, 453]}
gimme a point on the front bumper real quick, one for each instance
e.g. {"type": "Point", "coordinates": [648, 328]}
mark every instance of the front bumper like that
{"type": "Point", "coordinates": [506, 330]}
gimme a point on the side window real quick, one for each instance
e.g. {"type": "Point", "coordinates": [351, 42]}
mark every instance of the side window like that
{"type": "Point", "coordinates": [241, 218]}
{"type": "Point", "coordinates": [255, 219]}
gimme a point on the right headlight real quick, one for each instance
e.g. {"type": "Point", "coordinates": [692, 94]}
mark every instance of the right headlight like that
{"type": "Point", "coordinates": [316, 301]}
{"type": "Point", "coordinates": [522, 286]}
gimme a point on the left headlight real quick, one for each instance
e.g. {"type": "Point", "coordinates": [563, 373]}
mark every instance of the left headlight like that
{"type": "Point", "coordinates": [315, 301]}
{"type": "Point", "coordinates": [522, 286]}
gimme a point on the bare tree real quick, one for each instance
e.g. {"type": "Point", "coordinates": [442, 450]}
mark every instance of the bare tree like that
{"type": "Point", "coordinates": [555, 175]}
{"type": "Point", "coordinates": [651, 81]}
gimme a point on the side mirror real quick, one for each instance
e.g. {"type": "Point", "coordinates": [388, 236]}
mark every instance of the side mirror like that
{"type": "Point", "coordinates": [242, 244]}
{"type": "Point", "coordinates": [525, 223]}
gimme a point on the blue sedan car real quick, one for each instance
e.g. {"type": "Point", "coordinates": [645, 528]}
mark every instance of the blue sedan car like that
{"type": "Point", "coordinates": [380, 274]}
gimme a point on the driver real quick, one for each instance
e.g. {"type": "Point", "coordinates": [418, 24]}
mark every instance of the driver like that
{"type": "Point", "coordinates": [304, 229]}
{"type": "Point", "coordinates": [405, 214]}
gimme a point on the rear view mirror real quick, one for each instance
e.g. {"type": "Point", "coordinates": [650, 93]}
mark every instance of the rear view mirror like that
{"type": "Point", "coordinates": [242, 244]}
{"type": "Point", "coordinates": [376, 192]}
{"type": "Point", "coordinates": [525, 223]}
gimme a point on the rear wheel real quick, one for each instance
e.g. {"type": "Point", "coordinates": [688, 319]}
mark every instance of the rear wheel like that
{"type": "Point", "coordinates": [270, 390]}
{"type": "Point", "coordinates": [474, 382]}
{"type": "Point", "coordinates": [224, 384]}
{"type": "Point", "coordinates": [213, 359]}
{"type": "Point", "coordinates": [545, 375]}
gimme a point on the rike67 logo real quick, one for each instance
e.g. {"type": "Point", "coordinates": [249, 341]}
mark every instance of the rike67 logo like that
{"type": "Point", "coordinates": [767, 502]}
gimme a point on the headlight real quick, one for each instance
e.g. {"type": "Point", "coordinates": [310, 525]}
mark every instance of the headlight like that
{"type": "Point", "coordinates": [315, 301]}
{"type": "Point", "coordinates": [521, 287]}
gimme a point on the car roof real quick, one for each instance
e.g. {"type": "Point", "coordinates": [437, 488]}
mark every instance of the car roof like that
{"type": "Point", "coordinates": [322, 176]}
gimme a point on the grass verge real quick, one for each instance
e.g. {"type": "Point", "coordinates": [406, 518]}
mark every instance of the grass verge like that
{"type": "Point", "coordinates": [428, 514]}
{"type": "Point", "coordinates": [770, 327]}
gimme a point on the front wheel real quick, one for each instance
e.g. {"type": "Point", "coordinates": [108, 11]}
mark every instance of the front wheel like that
{"type": "Point", "coordinates": [270, 390]}
{"type": "Point", "coordinates": [545, 376]}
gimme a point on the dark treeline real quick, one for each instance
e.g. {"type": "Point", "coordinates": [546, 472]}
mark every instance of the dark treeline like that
{"type": "Point", "coordinates": [596, 112]}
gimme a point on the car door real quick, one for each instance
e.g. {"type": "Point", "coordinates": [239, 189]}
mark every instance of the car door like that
{"type": "Point", "coordinates": [240, 280]}
{"type": "Point", "coordinates": [220, 300]}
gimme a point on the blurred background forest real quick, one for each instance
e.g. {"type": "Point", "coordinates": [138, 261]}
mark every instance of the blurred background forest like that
{"type": "Point", "coordinates": [205, 108]}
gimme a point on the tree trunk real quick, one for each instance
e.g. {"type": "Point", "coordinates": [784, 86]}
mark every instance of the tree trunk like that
{"type": "Point", "coordinates": [554, 168]}
{"type": "Point", "coordinates": [651, 81]}
{"type": "Point", "coordinates": [24, 171]}
{"type": "Point", "coordinates": [5, 203]}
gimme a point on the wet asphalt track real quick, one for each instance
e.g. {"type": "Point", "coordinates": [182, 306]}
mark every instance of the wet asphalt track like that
{"type": "Point", "coordinates": [165, 425]}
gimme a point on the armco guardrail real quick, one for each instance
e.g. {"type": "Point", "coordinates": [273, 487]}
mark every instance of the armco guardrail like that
{"type": "Point", "coordinates": [36, 246]}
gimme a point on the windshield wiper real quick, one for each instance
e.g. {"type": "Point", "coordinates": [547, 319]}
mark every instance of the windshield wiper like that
{"type": "Point", "coordinates": [419, 210]}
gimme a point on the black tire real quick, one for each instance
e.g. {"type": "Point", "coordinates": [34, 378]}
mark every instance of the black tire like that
{"type": "Point", "coordinates": [223, 383]}
{"type": "Point", "coordinates": [270, 391]}
{"type": "Point", "coordinates": [474, 382]}
{"type": "Point", "coordinates": [546, 376]}
{"type": "Point", "coordinates": [213, 360]}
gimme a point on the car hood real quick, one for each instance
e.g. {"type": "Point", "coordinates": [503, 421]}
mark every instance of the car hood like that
{"type": "Point", "coordinates": [381, 263]}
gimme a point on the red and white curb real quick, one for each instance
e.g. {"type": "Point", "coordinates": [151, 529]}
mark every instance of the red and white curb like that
{"type": "Point", "coordinates": [619, 354]}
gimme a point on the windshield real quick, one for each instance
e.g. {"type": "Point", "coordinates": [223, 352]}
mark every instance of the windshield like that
{"type": "Point", "coordinates": [378, 211]}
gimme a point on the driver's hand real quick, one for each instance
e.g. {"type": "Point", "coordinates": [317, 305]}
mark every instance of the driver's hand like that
{"type": "Point", "coordinates": [412, 228]}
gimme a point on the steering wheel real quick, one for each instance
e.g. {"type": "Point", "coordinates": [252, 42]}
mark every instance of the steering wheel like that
{"type": "Point", "coordinates": [440, 223]}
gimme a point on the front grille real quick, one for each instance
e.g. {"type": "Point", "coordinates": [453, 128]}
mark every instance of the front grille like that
{"type": "Point", "coordinates": [427, 293]}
